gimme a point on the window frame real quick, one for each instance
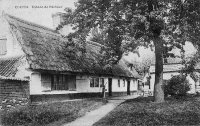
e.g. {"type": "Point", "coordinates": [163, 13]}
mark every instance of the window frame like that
{"type": "Point", "coordinates": [4, 46]}
{"type": "Point", "coordinates": [46, 80]}
{"type": "Point", "coordinates": [102, 82]}
{"type": "Point", "coordinates": [118, 82]}
{"type": "Point", "coordinates": [92, 82]}
{"type": "Point", "coordinates": [124, 83]}
{"type": "Point", "coordinates": [57, 81]}
{"type": "Point", "coordinates": [97, 84]}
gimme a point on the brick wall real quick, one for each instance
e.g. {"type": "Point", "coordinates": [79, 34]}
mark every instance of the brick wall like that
{"type": "Point", "coordinates": [12, 89]}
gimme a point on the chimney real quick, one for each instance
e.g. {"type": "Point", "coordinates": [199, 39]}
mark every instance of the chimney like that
{"type": "Point", "coordinates": [57, 19]}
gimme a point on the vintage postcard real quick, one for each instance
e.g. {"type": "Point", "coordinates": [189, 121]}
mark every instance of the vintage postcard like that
{"type": "Point", "coordinates": [99, 62]}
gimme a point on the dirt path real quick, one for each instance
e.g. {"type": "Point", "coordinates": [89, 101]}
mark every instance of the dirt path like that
{"type": "Point", "coordinates": [90, 118]}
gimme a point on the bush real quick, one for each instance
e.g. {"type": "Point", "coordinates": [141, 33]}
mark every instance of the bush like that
{"type": "Point", "coordinates": [15, 117]}
{"type": "Point", "coordinates": [39, 115]}
{"type": "Point", "coordinates": [26, 115]}
{"type": "Point", "coordinates": [177, 86]}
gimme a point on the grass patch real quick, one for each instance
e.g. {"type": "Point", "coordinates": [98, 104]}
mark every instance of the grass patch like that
{"type": "Point", "coordinates": [142, 111]}
{"type": "Point", "coordinates": [51, 114]}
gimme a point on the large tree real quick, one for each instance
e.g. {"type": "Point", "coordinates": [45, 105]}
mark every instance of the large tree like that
{"type": "Point", "coordinates": [129, 23]}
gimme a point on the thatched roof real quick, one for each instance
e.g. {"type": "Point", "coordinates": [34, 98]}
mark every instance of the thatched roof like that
{"type": "Point", "coordinates": [42, 47]}
{"type": "Point", "coordinates": [8, 66]}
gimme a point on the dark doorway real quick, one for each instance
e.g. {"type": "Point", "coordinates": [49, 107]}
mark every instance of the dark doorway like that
{"type": "Point", "coordinates": [128, 88]}
{"type": "Point", "coordinates": [110, 86]}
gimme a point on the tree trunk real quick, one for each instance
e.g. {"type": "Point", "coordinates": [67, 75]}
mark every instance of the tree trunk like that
{"type": "Point", "coordinates": [158, 90]}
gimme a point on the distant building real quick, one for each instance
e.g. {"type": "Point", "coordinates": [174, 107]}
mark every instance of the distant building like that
{"type": "Point", "coordinates": [172, 68]}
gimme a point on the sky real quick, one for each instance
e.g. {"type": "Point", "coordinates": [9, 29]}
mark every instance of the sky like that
{"type": "Point", "coordinates": [37, 11]}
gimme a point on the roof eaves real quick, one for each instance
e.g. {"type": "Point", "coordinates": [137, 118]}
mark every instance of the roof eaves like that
{"type": "Point", "coordinates": [13, 78]}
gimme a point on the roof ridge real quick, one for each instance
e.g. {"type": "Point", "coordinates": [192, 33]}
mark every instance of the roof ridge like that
{"type": "Point", "coordinates": [31, 23]}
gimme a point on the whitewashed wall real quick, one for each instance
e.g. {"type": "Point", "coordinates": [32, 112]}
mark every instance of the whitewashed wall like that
{"type": "Point", "coordinates": [116, 88]}
{"type": "Point", "coordinates": [35, 83]}
{"type": "Point", "coordinates": [22, 70]}
{"type": "Point", "coordinates": [83, 84]}
{"type": "Point", "coordinates": [133, 85]}
{"type": "Point", "coordinates": [13, 46]}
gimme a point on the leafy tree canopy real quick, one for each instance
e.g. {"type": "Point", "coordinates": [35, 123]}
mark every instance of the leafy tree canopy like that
{"type": "Point", "coordinates": [129, 23]}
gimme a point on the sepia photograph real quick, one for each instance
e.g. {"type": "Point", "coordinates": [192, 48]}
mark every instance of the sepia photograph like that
{"type": "Point", "coordinates": [99, 62]}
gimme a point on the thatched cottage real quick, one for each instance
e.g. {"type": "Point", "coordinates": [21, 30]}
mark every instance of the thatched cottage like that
{"type": "Point", "coordinates": [30, 55]}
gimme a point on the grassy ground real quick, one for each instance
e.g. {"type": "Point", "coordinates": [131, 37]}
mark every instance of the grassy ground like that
{"type": "Point", "coordinates": [142, 111]}
{"type": "Point", "coordinates": [52, 114]}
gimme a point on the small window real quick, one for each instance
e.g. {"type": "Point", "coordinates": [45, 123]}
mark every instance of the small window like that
{"type": "Point", "coordinates": [3, 49]}
{"type": "Point", "coordinates": [101, 82]}
{"type": "Point", "coordinates": [92, 82]}
{"type": "Point", "coordinates": [119, 83]}
{"type": "Point", "coordinates": [96, 84]}
{"type": "Point", "coordinates": [124, 82]}
{"type": "Point", "coordinates": [58, 82]}
{"type": "Point", "coordinates": [46, 82]}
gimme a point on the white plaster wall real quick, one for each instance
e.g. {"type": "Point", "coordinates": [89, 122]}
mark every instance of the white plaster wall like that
{"type": "Point", "coordinates": [192, 85]}
{"type": "Point", "coordinates": [36, 87]}
{"type": "Point", "coordinates": [22, 70]}
{"type": "Point", "coordinates": [133, 85]}
{"type": "Point", "coordinates": [116, 88]}
{"type": "Point", "coordinates": [35, 84]}
{"type": "Point", "coordinates": [13, 46]}
{"type": "Point", "coordinates": [83, 84]}
{"type": "Point", "coordinates": [152, 81]}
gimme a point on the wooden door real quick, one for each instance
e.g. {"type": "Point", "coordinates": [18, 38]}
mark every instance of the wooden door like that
{"type": "Point", "coordinates": [128, 88]}
{"type": "Point", "coordinates": [110, 86]}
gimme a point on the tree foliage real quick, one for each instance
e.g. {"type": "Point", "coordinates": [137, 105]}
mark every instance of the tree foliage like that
{"type": "Point", "coordinates": [177, 86]}
{"type": "Point", "coordinates": [129, 23]}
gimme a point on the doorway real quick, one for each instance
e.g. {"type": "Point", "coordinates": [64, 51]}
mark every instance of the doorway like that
{"type": "Point", "coordinates": [109, 86]}
{"type": "Point", "coordinates": [128, 88]}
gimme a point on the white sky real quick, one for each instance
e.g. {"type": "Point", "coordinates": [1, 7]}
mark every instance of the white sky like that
{"type": "Point", "coordinates": [40, 16]}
